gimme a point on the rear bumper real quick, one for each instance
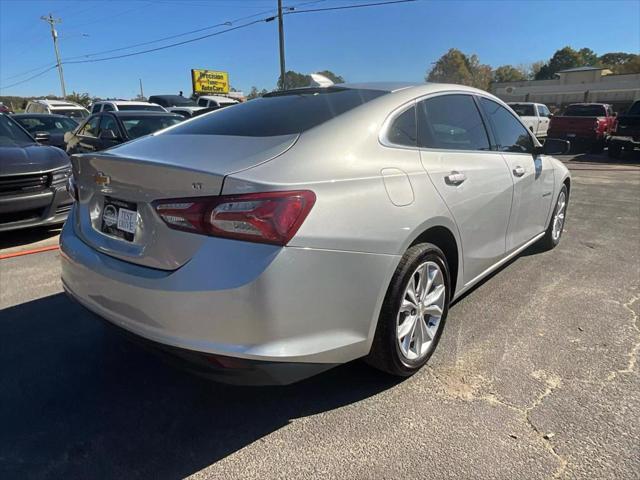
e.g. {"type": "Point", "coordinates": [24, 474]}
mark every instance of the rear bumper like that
{"type": "Point", "coordinates": [49, 207]}
{"type": "Point", "coordinates": [625, 141]}
{"type": "Point", "coordinates": [238, 299]}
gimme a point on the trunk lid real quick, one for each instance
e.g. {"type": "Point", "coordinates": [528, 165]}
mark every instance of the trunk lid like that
{"type": "Point", "coordinates": [574, 125]}
{"type": "Point", "coordinates": [137, 173]}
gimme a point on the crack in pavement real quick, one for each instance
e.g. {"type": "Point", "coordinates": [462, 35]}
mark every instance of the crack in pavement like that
{"type": "Point", "coordinates": [470, 393]}
{"type": "Point", "coordinates": [633, 354]}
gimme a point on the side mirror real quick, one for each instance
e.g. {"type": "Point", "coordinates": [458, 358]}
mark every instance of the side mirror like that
{"type": "Point", "coordinates": [554, 146]}
{"type": "Point", "coordinates": [108, 135]}
{"type": "Point", "coordinates": [42, 137]}
{"type": "Point", "coordinates": [550, 115]}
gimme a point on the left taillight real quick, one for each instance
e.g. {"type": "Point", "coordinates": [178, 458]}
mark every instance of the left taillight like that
{"type": "Point", "coordinates": [267, 217]}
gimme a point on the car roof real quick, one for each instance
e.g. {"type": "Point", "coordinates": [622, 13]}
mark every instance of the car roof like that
{"type": "Point", "coordinates": [40, 115]}
{"type": "Point", "coordinates": [123, 102]}
{"type": "Point", "coordinates": [140, 113]}
{"type": "Point", "coordinates": [219, 98]}
{"type": "Point", "coordinates": [57, 103]}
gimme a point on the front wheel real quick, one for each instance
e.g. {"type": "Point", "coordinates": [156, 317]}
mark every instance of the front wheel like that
{"type": "Point", "coordinates": [552, 236]}
{"type": "Point", "coordinates": [413, 313]}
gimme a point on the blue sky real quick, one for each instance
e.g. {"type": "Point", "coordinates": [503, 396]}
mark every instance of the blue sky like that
{"type": "Point", "coordinates": [396, 42]}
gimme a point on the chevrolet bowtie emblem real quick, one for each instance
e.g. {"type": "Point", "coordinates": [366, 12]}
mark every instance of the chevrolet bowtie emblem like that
{"type": "Point", "coordinates": [101, 179]}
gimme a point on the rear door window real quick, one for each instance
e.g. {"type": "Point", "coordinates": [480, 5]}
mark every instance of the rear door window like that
{"type": "Point", "coordinates": [286, 113]}
{"type": "Point", "coordinates": [451, 122]}
{"type": "Point", "coordinates": [107, 107]}
{"type": "Point", "coordinates": [96, 108]}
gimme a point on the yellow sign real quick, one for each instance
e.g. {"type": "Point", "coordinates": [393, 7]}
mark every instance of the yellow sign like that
{"type": "Point", "coordinates": [209, 81]}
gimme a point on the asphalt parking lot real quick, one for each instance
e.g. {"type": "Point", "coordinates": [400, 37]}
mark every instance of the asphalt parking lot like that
{"type": "Point", "coordinates": [536, 376]}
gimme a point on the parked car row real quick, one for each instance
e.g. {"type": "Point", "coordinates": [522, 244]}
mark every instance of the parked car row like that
{"type": "Point", "coordinates": [591, 126]}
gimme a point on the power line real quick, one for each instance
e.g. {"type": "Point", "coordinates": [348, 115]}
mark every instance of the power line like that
{"type": "Point", "coordinates": [30, 78]}
{"type": "Point", "coordinates": [345, 7]}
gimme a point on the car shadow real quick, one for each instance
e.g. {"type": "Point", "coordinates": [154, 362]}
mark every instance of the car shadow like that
{"type": "Point", "coordinates": [627, 158]}
{"type": "Point", "coordinates": [17, 238]}
{"type": "Point", "coordinates": [79, 401]}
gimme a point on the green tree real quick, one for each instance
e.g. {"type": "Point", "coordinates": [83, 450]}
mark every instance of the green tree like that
{"type": "Point", "coordinates": [534, 68]}
{"type": "Point", "coordinates": [588, 57]}
{"type": "Point", "coordinates": [83, 99]}
{"type": "Point", "coordinates": [508, 73]}
{"type": "Point", "coordinates": [621, 62]}
{"type": "Point", "coordinates": [294, 80]}
{"type": "Point", "coordinates": [456, 67]}
{"type": "Point", "coordinates": [332, 76]}
{"type": "Point", "coordinates": [631, 66]}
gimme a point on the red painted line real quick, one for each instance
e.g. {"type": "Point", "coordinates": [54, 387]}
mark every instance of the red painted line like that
{"type": "Point", "coordinates": [29, 252]}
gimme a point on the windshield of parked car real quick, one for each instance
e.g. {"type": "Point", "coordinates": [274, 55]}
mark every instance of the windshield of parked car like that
{"type": "Point", "coordinates": [144, 125]}
{"type": "Point", "coordinates": [282, 113]}
{"type": "Point", "coordinates": [11, 135]}
{"type": "Point", "coordinates": [47, 124]}
{"type": "Point", "coordinates": [139, 108]}
{"type": "Point", "coordinates": [635, 109]}
{"type": "Point", "coordinates": [73, 113]}
{"type": "Point", "coordinates": [585, 111]}
{"type": "Point", "coordinates": [523, 110]}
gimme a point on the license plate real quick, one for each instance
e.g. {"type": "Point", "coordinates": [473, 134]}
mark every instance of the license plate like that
{"type": "Point", "coordinates": [571, 135]}
{"type": "Point", "coordinates": [119, 218]}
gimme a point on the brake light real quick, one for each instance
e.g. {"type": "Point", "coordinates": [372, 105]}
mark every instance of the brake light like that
{"type": "Point", "coordinates": [268, 217]}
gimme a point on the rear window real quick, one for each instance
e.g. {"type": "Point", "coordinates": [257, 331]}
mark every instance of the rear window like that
{"type": "Point", "coordinates": [145, 108]}
{"type": "Point", "coordinates": [279, 113]}
{"type": "Point", "coordinates": [523, 110]}
{"type": "Point", "coordinates": [585, 111]}
{"type": "Point", "coordinates": [72, 113]}
{"type": "Point", "coordinates": [140, 126]}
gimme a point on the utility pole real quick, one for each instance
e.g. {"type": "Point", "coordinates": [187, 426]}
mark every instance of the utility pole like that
{"type": "Point", "coordinates": [281, 35]}
{"type": "Point", "coordinates": [141, 91]}
{"type": "Point", "coordinates": [54, 34]}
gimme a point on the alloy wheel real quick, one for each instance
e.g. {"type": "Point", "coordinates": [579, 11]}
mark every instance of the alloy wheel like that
{"type": "Point", "coordinates": [558, 219]}
{"type": "Point", "coordinates": [421, 310]}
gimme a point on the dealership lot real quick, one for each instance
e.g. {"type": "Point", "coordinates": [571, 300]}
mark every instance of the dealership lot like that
{"type": "Point", "coordinates": [536, 376]}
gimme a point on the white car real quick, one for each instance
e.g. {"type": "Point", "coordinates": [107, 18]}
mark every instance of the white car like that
{"type": "Point", "coordinates": [213, 102]}
{"type": "Point", "coordinates": [58, 107]}
{"type": "Point", "coordinates": [177, 104]}
{"type": "Point", "coordinates": [124, 105]}
{"type": "Point", "coordinates": [534, 115]}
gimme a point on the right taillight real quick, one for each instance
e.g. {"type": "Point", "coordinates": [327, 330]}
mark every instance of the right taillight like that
{"type": "Point", "coordinates": [268, 217]}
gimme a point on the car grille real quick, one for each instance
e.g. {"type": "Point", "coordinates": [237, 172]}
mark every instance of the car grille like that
{"type": "Point", "coordinates": [17, 184]}
{"type": "Point", "coordinates": [25, 215]}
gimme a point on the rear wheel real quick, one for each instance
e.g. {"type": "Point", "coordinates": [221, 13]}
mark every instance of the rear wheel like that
{"type": "Point", "coordinates": [552, 236]}
{"type": "Point", "coordinates": [615, 151]}
{"type": "Point", "coordinates": [413, 313]}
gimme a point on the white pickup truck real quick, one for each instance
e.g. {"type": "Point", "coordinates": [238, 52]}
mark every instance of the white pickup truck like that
{"type": "Point", "coordinates": [534, 115]}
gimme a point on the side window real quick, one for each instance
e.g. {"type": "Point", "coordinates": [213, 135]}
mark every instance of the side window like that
{"type": "Point", "coordinates": [451, 122]}
{"type": "Point", "coordinates": [202, 102]}
{"type": "Point", "coordinates": [96, 108]}
{"type": "Point", "coordinates": [109, 123]}
{"type": "Point", "coordinates": [511, 135]}
{"type": "Point", "coordinates": [403, 130]}
{"type": "Point", "coordinates": [107, 107]}
{"type": "Point", "coordinates": [541, 111]}
{"type": "Point", "coordinates": [90, 128]}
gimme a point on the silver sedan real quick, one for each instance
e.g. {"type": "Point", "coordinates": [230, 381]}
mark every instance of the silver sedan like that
{"type": "Point", "coordinates": [274, 239]}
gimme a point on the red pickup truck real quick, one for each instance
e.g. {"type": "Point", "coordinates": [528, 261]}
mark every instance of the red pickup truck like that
{"type": "Point", "coordinates": [584, 124]}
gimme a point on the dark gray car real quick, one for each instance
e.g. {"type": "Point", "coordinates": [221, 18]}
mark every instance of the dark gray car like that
{"type": "Point", "coordinates": [45, 128]}
{"type": "Point", "coordinates": [33, 180]}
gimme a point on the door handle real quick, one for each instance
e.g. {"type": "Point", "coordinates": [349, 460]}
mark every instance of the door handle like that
{"type": "Point", "coordinates": [519, 171]}
{"type": "Point", "coordinates": [455, 178]}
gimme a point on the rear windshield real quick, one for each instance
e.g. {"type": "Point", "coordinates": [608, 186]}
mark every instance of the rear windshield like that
{"type": "Point", "coordinates": [172, 101]}
{"type": "Point", "coordinates": [75, 113]}
{"type": "Point", "coordinates": [523, 110]}
{"type": "Point", "coordinates": [140, 126]}
{"type": "Point", "coordinates": [585, 111]}
{"type": "Point", "coordinates": [146, 108]}
{"type": "Point", "coordinates": [279, 114]}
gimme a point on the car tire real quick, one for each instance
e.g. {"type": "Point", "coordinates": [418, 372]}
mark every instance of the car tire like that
{"type": "Point", "coordinates": [401, 355]}
{"type": "Point", "coordinates": [556, 225]}
{"type": "Point", "coordinates": [614, 151]}
{"type": "Point", "coordinates": [597, 147]}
